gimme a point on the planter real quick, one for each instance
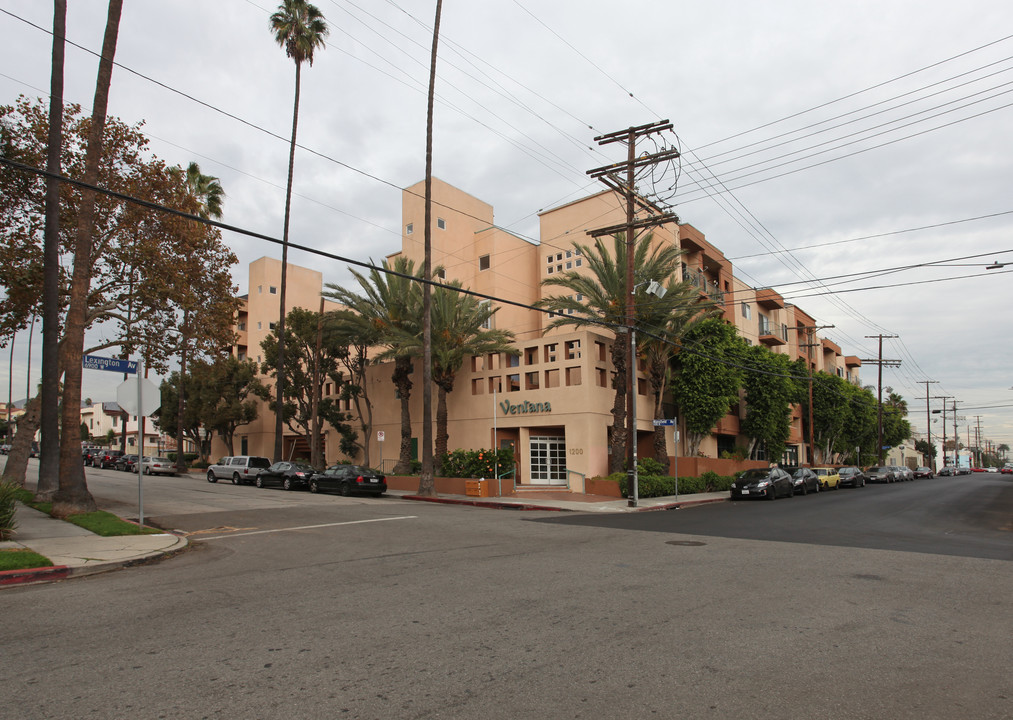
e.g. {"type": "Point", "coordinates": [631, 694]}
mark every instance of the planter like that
{"type": "Point", "coordinates": [478, 488]}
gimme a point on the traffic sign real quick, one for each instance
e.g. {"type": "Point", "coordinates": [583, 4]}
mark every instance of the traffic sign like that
{"type": "Point", "coordinates": [379, 435]}
{"type": "Point", "coordinates": [126, 396]}
{"type": "Point", "coordinates": [94, 362]}
{"type": "Point", "coordinates": [664, 423]}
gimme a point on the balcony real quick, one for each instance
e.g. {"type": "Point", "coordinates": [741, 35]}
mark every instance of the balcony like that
{"type": "Point", "coordinates": [707, 287]}
{"type": "Point", "coordinates": [768, 332]}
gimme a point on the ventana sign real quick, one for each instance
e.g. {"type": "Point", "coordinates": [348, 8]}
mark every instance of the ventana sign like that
{"type": "Point", "coordinates": [525, 407]}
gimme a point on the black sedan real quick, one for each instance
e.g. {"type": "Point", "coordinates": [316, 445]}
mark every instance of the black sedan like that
{"type": "Point", "coordinates": [347, 479]}
{"type": "Point", "coordinates": [289, 475]}
{"type": "Point", "coordinates": [805, 480]}
{"type": "Point", "coordinates": [852, 476]}
{"type": "Point", "coordinates": [924, 472]}
{"type": "Point", "coordinates": [768, 483]}
{"type": "Point", "coordinates": [881, 474]}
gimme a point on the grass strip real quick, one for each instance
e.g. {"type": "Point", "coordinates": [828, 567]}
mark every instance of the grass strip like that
{"type": "Point", "coordinates": [106, 524]}
{"type": "Point", "coordinates": [22, 560]}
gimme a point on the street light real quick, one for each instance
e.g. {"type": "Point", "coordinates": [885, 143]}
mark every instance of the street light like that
{"type": "Point", "coordinates": [654, 288]}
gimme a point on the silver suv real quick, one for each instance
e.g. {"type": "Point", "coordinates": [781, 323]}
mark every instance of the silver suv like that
{"type": "Point", "coordinates": [238, 468]}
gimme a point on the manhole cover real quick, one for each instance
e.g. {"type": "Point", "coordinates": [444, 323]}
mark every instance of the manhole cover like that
{"type": "Point", "coordinates": [686, 543]}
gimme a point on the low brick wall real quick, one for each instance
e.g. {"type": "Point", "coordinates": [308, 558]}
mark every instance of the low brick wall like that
{"type": "Point", "coordinates": [697, 466]}
{"type": "Point", "coordinates": [444, 486]}
{"type": "Point", "coordinates": [602, 486]}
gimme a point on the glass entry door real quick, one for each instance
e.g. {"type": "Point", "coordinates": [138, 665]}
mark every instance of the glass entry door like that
{"type": "Point", "coordinates": [548, 461]}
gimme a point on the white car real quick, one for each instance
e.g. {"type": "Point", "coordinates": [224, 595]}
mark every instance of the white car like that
{"type": "Point", "coordinates": [158, 466]}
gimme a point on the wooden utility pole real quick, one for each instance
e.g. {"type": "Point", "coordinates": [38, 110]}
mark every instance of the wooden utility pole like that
{"type": "Point", "coordinates": [944, 398]}
{"type": "Point", "coordinates": [928, 421]}
{"type": "Point", "coordinates": [810, 333]}
{"type": "Point", "coordinates": [612, 177]}
{"type": "Point", "coordinates": [881, 362]}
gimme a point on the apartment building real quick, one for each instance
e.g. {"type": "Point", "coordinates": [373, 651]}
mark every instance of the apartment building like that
{"type": "Point", "coordinates": [552, 402]}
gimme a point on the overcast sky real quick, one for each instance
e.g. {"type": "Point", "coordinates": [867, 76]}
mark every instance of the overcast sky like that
{"type": "Point", "coordinates": [827, 147]}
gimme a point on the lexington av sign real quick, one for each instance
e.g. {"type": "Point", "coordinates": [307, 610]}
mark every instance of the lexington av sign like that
{"type": "Point", "coordinates": [525, 407]}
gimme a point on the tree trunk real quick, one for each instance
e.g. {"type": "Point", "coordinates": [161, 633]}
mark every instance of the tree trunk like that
{"type": "Point", "coordinates": [279, 431]}
{"type": "Point", "coordinates": [617, 438]}
{"type": "Point", "coordinates": [181, 466]}
{"type": "Point", "coordinates": [660, 441]}
{"type": "Point", "coordinates": [317, 389]}
{"type": "Point", "coordinates": [403, 382]}
{"type": "Point", "coordinates": [17, 460]}
{"type": "Point", "coordinates": [49, 450]}
{"type": "Point", "coordinates": [72, 495]}
{"type": "Point", "coordinates": [442, 435]}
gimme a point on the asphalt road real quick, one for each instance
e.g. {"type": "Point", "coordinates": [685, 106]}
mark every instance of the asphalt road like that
{"type": "Point", "coordinates": [884, 602]}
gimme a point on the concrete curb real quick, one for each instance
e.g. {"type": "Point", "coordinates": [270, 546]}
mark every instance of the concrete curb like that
{"type": "Point", "coordinates": [484, 503]}
{"type": "Point", "coordinates": [31, 576]}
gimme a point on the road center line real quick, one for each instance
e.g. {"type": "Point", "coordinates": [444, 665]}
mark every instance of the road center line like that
{"type": "Point", "coordinates": [310, 527]}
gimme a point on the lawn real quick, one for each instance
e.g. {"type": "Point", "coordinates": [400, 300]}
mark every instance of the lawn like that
{"type": "Point", "coordinates": [22, 560]}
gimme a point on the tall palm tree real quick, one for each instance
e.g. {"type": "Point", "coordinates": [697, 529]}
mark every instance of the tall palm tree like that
{"type": "Point", "coordinates": [299, 27]}
{"type": "Point", "coordinates": [72, 494]}
{"type": "Point", "coordinates": [207, 191]}
{"type": "Point", "coordinates": [390, 307]}
{"type": "Point", "coordinates": [459, 332]}
{"type": "Point", "coordinates": [603, 289]}
{"type": "Point", "coordinates": [665, 320]}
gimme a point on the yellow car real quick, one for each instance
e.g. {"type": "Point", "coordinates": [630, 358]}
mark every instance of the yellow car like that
{"type": "Point", "coordinates": [829, 477]}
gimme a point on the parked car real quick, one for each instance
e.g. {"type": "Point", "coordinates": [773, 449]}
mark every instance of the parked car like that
{"type": "Point", "coordinates": [88, 455]}
{"type": "Point", "coordinates": [963, 470]}
{"type": "Point", "coordinates": [1006, 470]}
{"type": "Point", "coordinates": [766, 483]}
{"type": "Point", "coordinates": [993, 469]}
{"type": "Point", "coordinates": [158, 466]}
{"type": "Point", "coordinates": [289, 475]}
{"type": "Point", "coordinates": [805, 480]}
{"type": "Point", "coordinates": [126, 462]}
{"type": "Point", "coordinates": [238, 468]}
{"type": "Point", "coordinates": [852, 476]}
{"type": "Point", "coordinates": [829, 477]}
{"type": "Point", "coordinates": [880, 474]}
{"type": "Point", "coordinates": [107, 458]}
{"type": "Point", "coordinates": [924, 472]}
{"type": "Point", "coordinates": [947, 471]}
{"type": "Point", "coordinates": [977, 469]}
{"type": "Point", "coordinates": [347, 479]}
{"type": "Point", "coordinates": [902, 473]}
{"type": "Point", "coordinates": [5, 449]}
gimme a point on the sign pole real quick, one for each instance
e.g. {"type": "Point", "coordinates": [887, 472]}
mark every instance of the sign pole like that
{"type": "Point", "coordinates": [140, 448]}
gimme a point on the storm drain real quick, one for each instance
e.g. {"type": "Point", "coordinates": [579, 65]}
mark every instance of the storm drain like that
{"type": "Point", "coordinates": [685, 543]}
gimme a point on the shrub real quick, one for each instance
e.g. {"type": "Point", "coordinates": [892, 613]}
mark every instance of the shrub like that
{"type": "Point", "coordinates": [664, 485]}
{"type": "Point", "coordinates": [476, 463]}
{"type": "Point", "coordinates": [716, 483]}
{"type": "Point", "coordinates": [8, 506]}
{"type": "Point", "coordinates": [650, 466]}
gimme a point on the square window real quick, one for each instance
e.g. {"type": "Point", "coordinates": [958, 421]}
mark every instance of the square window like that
{"type": "Point", "coordinates": [531, 381]}
{"type": "Point", "coordinates": [483, 262]}
{"type": "Point", "coordinates": [569, 265]}
{"type": "Point", "coordinates": [550, 269]}
{"type": "Point", "coordinates": [578, 262]}
{"type": "Point", "coordinates": [495, 385]}
{"type": "Point", "coordinates": [568, 253]}
{"type": "Point", "coordinates": [271, 326]}
{"type": "Point", "coordinates": [580, 297]}
{"type": "Point", "coordinates": [441, 274]}
{"type": "Point", "coordinates": [260, 325]}
{"type": "Point", "coordinates": [513, 383]}
{"type": "Point", "coordinates": [409, 228]}
{"type": "Point", "coordinates": [576, 251]}
{"type": "Point", "coordinates": [549, 259]}
{"type": "Point", "coordinates": [746, 311]}
{"type": "Point", "coordinates": [559, 256]}
{"type": "Point", "coordinates": [273, 290]}
{"type": "Point", "coordinates": [441, 223]}
{"type": "Point", "coordinates": [559, 268]}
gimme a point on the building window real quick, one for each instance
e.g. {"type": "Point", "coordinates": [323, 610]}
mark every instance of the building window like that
{"type": "Point", "coordinates": [579, 297]}
{"type": "Point", "coordinates": [601, 377]}
{"type": "Point", "coordinates": [552, 378]}
{"type": "Point", "coordinates": [573, 376]}
{"type": "Point", "coordinates": [559, 268]}
{"type": "Point", "coordinates": [476, 386]}
{"type": "Point", "coordinates": [487, 323]}
{"type": "Point", "coordinates": [549, 259]}
{"type": "Point", "coordinates": [260, 289]}
{"type": "Point", "coordinates": [550, 269]}
{"type": "Point", "coordinates": [572, 349]}
{"type": "Point", "coordinates": [273, 290]}
{"type": "Point", "coordinates": [441, 223]}
{"type": "Point", "coordinates": [747, 312]}
{"type": "Point", "coordinates": [483, 262]}
{"type": "Point", "coordinates": [577, 261]}
{"type": "Point", "coordinates": [441, 273]}
{"type": "Point", "coordinates": [550, 352]}
{"type": "Point", "coordinates": [531, 381]}
{"type": "Point", "coordinates": [513, 383]}
{"type": "Point", "coordinates": [241, 356]}
{"type": "Point", "coordinates": [495, 385]}
{"type": "Point", "coordinates": [569, 265]}
{"type": "Point", "coordinates": [569, 254]}
{"type": "Point", "coordinates": [409, 228]}
{"type": "Point", "coordinates": [271, 326]}
{"type": "Point", "coordinates": [531, 356]}
{"type": "Point", "coordinates": [260, 325]}
{"type": "Point", "coordinates": [576, 251]}
{"type": "Point", "coordinates": [513, 361]}
{"type": "Point", "coordinates": [242, 326]}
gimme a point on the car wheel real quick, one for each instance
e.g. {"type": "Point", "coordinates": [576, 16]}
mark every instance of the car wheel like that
{"type": "Point", "coordinates": [805, 490]}
{"type": "Point", "coordinates": [287, 483]}
{"type": "Point", "coordinates": [235, 478]}
{"type": "Point", "coordinates": [259, 482]}
{"type": "Point", "coordinates": [147, 471]}
{"type": "Point", "coordinates": [211, 477]}
{"type": "Point", "coordinates": [791, 491]}
{"type": "Point", "coordinates": [345, 490]}
{"type": "Point", "coordinates": [314, 486]}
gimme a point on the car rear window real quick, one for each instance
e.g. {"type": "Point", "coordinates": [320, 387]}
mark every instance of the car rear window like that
{"type": "Point", "coordinates": [259, 462]}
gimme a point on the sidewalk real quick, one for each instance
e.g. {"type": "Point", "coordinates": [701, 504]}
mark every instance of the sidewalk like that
{"type": "Point", "coordinates": [573, 502]}
{"type": "Point", "coordinates": [76, 551]}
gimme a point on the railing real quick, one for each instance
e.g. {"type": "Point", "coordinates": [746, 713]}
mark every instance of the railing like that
{"type": "Point", "coordinates": [579, 474]}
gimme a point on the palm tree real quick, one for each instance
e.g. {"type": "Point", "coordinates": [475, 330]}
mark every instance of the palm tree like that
{"type": "Point", "coordinates": [459, 323]}
{"type": "Point", "coordinates": [665, 321]}
{"type": "Point", "coordinates": [299, 27]}
{"type": "Point", "coordinates": [603, 293]}
{"type": "Point", "coordinates": [73, 495]}
{"type": "Point", "coordinates": [390, 310]}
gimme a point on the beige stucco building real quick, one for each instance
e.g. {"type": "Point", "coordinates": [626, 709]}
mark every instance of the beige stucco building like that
{"type": "Point", "coordinates": [552, 402]}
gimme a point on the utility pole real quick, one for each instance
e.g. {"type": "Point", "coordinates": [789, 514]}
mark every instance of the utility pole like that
{"type": "Point", "coordinates": [881, 362]}
{"type": "Point", "coordinates": [977, 442]}
{"type": "Point", "coordinates": [611, 176]}
{"type": "Point", "coordinates": [928, 421]}
{"type": "Point", "coordinates": [944, 398]}
{"type": "Point", "coordinates": [810, 333]}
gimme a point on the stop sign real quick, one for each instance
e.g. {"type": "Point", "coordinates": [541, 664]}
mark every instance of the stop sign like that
{"type": "Point", "coordinates": [126, 396]}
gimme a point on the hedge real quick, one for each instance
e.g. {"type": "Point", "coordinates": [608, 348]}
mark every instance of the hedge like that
{"type": "Point", "coordinates": [649, 486]}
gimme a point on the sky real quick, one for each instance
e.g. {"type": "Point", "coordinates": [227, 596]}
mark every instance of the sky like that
{"type": "Point", "coordinates": [857, 157]}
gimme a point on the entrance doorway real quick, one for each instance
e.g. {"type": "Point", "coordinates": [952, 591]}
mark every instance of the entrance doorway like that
{"type": "Point", "coordinates": [547, 460]}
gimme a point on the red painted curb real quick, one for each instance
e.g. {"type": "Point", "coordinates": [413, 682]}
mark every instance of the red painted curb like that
{"type": "Point", "coordinates": [30, 575]}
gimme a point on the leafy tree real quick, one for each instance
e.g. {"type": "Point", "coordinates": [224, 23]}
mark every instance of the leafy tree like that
{"type": "Point", "coordinates": [771, 389]}
{"type": "Point", "coordinates": [85, 432]}
{"type": "Point", "coordinates": [706, 381]}
{"type": "Point", "coordinates": [229, 396]}
{"type": "Point", "coordinates": [301, 344]}
{"type": "Point", "coordinates": [666, 320]}
{"type": "Point", "coordinates": [358, 335]}
{"type": "Point", "coordinates": [388, 314]}
{"type": "Point", "coordinates": [299, 27]}
{"type": "Point", "coordinates": [858, 441]}
{"type": "Point", "coordinates": [603, 290]}
{"type": "Point", "coordinates": [926, 449]}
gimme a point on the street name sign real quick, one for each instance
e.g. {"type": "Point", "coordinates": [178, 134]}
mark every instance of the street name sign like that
{"type": "Point", "coordinates": [94, 362]}
{"type": "Point", "coordinates": [664, 423]}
